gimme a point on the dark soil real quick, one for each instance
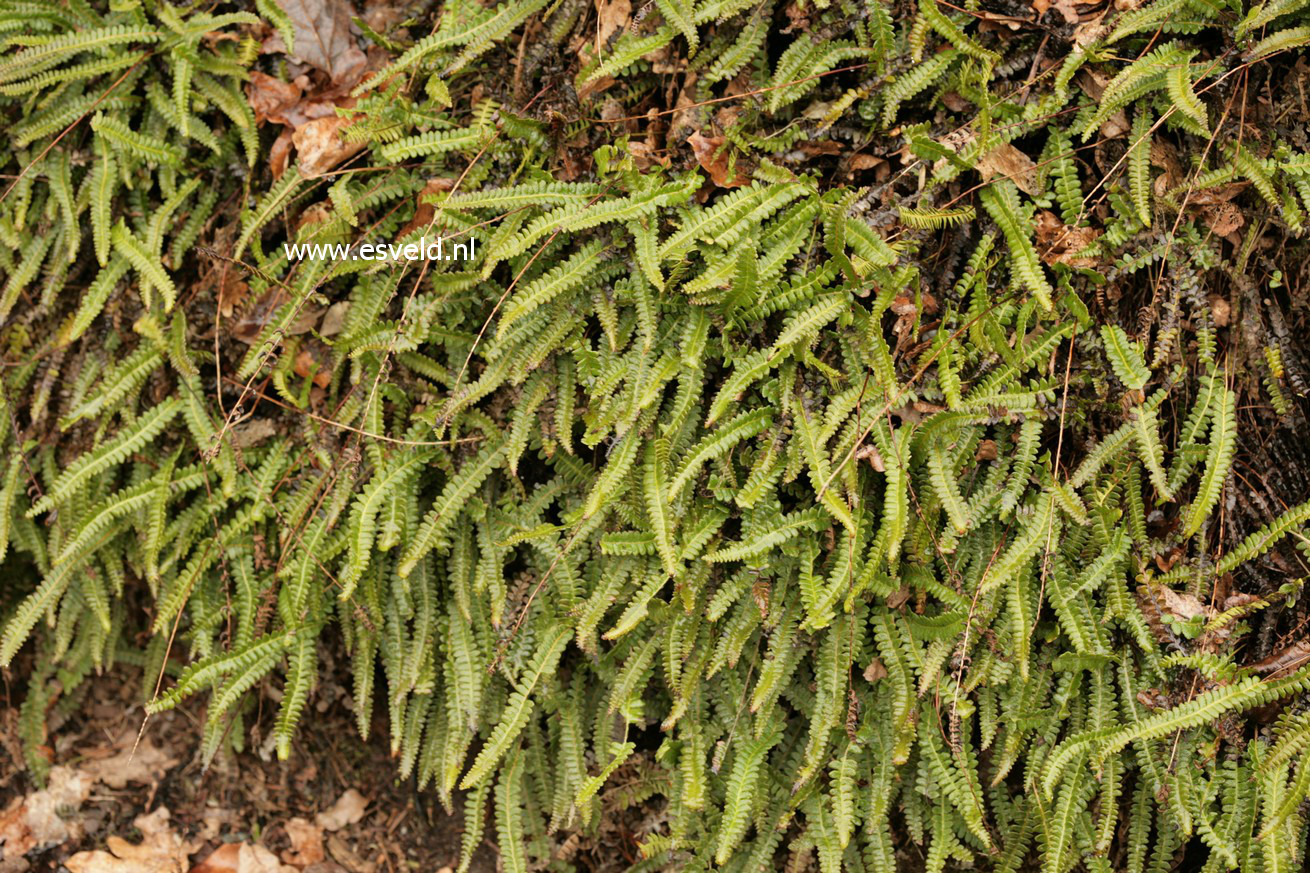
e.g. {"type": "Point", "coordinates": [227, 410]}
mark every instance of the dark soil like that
{"type": "Point", "coordinates": [247, 797]}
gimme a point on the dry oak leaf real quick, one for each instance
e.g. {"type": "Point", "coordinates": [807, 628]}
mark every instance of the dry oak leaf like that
{"type": "Point", "coordinates": [348, 809]}
{"type": "Point", "coordinates": [713, 159]}
{"type": "Point", "coordinates": [1166, 560]}
{"type": "Point", "coordinates": [35, 821]}
{"type": "Point", "coordinates": [224, 859]}
{"type": "Point", "coordinates": [595, 86]}
{"type": "Point", "coordinates": [1092, 82]}
{"type": "Point", "coordinates": [160, 851]}
{"type": "Point", "coordinates": [1287, 661]}
{"type": "Point", "coordinates": [248, 325]}
{"type": "Point", "coordinates": [293, 103]}
{"type": "Point", "coordinates": [306, 843]}
{"type": "Point", "coordinates": [1221, 311]}
{"type": "Point", "coordinates": [271, 98]}
{"type": "Point", "coordinates": [233, 293]}
{"type": "Point", "coordinates": [279, 154]}
{"type": "Point", "coordinates": [645, 157]}
{"type": "Point", "coordinates": [325, 38]}
{"type": "Point", "coordinates": [1233, 601]}
{"type": "Point", "coordinates": [1176, 603]}
{"type": "Point", "coordinates": [307, 366]}
{"type": "Point", "coordinates": [1164, 156]}
{"type": "Point", "coordinates": [426, 208]}
{"type": "Point", "coordinates": [244, 435]}
{"type": "Point", "coordinates": [334, 319]}
{"type": "Point", "coordinates": [870, 451]}
{"type": "Point", "coordinates": [1008, 161]}
{"type": "Point", "coordinates": [993, 22]}
{"type": "Point", "coordinates": [818, 147]}
{"type": "Point", "coordinates": [684, 112]}
{"type": "Point", "coordinates": [611, 17]}
{"type": "Point", "coordinates": [798, 15]}
{"type": "Point", "coordinates": [1219, 194]}
{"type": "Point", "coordinates": [144, 763]}
{"type": "Point", "coordinates": [1069, 10]}
{"type": "Point", "coordinates": [866, 162]}
{"type": "Point", "coordinates": [382, 15]}
{"type": "Point", "coordinates": [320, 145]}
{"type": "Point", "coordinates": [242, 858]}
{"type": "Point", "coordinates": [1223, 218]}
{"type": "Point", "coordinates": [1059, 243]}
{"type": "Point", "coordinates": [319, 213]}
{"type": "Point", "coordinates": [15, 836]}
{"type": "Point", "coordinates": [954, 102]}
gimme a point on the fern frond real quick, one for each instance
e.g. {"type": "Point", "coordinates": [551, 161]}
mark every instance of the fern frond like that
{"type": "Point", "coordinates": [1001, 200]}
{"type": "Point", "coordinates": [518, 709]}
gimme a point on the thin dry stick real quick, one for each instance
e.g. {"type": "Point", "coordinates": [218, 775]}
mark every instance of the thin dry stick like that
{"type": "Point", "coordinates": [753, 93]}
{"type": "Point", "coordinates": [1055, 469]}
{"type": "Point", "coordinates": [333, 423]}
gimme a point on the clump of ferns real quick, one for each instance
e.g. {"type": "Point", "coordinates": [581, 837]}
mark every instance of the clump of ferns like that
{"type": "Point", "coordinates": [704, 462]}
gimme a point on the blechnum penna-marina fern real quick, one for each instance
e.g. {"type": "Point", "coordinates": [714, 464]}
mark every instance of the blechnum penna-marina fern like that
{"type": "Point", "coordinates": [827, 521]}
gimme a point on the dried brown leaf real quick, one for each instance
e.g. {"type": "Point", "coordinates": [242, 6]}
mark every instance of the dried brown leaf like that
{"type": "Point", "coordinates": [347, 856]}
{"type": "Point", "coordinates": [1221, 310]}
{"type": "Point", "coordinates": [683, 120]}
{"type": "Point", "coordinates": [866, 162]}
{"type": "Point", "coordinates": [254, 319]}
{"type": "Point", "coordinates": [307, 366]}
{"type": "Point", "coordinates": [1115, 126]}
{"type": "Point", "coordinates": [425, 210]}
{"type": "Point", "coordinates": [244, 435]}
{"type": "Point", "coordinates": [35, 820]}
{"type": "Point", "coordinates": [1176, 603]}
{"type": "Point", "coordinates": [1058, 243]}
{"type": "Point", "coordinates": [334, 319]}
{"type": "Point", "coordinates": [1223, 218]}
{"type": "Point", "coordinates": [279, 155]}
{"type": "Point", "coordinates": [161, 850]}
{"type": "Point", "coordinates": [325, 38]}
{"type": "Point", "coordinates": [870, 451]}
{"type": "Point", "coordinates": [1008, 161]}
{"type": "Point", "coordinates": [612, 16]}
{"type": "Point", "coordinates": [714, 159]}
{"type": "Point", "coordinates": [875, 671]}
{"type": "Point", "coordinates": [1216, 195]}
{"type": "Point", "coordinates": [320, 145]}
{"type": "Point", "coordinates": [645, 157]}
{"type": "Point", "coordinates": [272, 98]}
{"type": "Point", "coordinates": [348, 809]}
{"type": "Point", "coordinates": [143, 762]}
{"type": "Point", "coordinates": [242, 858]}
{"type": "Point", "coordinates": [1290, 659]}
{"type": "Point", "coordinates": [306, 843]}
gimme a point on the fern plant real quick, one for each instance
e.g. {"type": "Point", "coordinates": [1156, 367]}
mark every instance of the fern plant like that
{"type": "Point", "coordinates": [820, 518]}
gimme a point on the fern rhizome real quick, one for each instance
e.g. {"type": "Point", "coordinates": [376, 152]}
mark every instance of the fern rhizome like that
{"type": "Point", "coordinates": [844, 444]}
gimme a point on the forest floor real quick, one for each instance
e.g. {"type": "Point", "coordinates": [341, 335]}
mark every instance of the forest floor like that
{"type": "Point", "coordinates": [113, 805]}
